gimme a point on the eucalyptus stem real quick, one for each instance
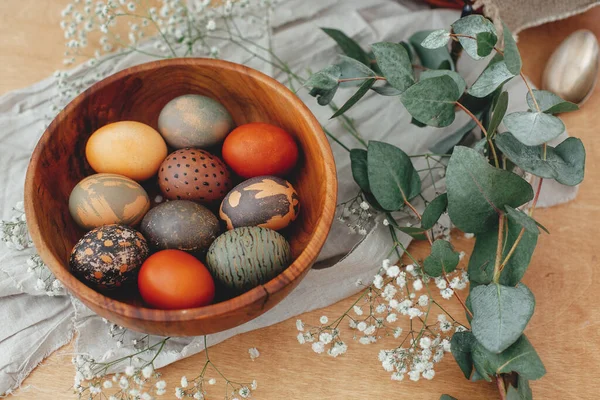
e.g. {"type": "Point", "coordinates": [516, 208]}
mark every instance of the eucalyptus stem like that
{"type": "Point", "coordinates": [498, 262]}
{"type": "Point", "coordinates": [501, 387]}
{"type": "Point", "coordinates": [489, 140]}
{"type": "Point", "coordinates": [335, 139]}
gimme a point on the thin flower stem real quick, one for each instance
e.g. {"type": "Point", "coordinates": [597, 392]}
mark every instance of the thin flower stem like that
{"type": "Point", "coordinates": [489, 140]}
{"type": "Point", "coordinates": [498, 262]}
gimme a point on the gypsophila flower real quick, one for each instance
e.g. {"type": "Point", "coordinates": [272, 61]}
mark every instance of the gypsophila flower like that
{"type": "Point", "coordinates": [391, 318]}
{"type": "Point", "coordinates": [381, 308]}
{"type": "Point", "coordinates": [357, 310]}
{"type": "Point", "coordinates": [253, 351]}
{"type": "Point", "coordinates": [244, 392]}
{"type": "Point", "coordinates": [423, 300]}
{"type": "Point", "coordinates": [429, 374]}
{"type": "Point", "coordinates": [378, 281]}
{"type": "Point", "coordinates": [212, 381]}
{"type": "Point", "coordinates": [447, 293]}
{"type": "Point", "coordinates": [107, 384]}
{"type": "Point", "coordinates": [161, 385]}
{"type": "Point", "coordinates": [299, 325]}
{"type": "Point", "coordinates": [323, 320]}
{"type": "Point", "coordinates": [147, 371]}
{"type": "Point", "coordinates": [425, 342]}
{"type": "Point", "coordinates": [414, 375]}
{"type": "Point", "coordinates": [300, 338]}
{"type": "Point", "coordinates": [397, 333]}
{"type": "Point", "coordinates": [179, 393]}
{"type": "Point", "coordinates": [361, 326]}
{"type": "Point", "coordinates": [418, 285]}
{"type": "Point", "coordinates": [183, 382]}
{"type": "Point", "coordinates": [393, 271]}
{"type": "Point", "coordinates": [318, 347]}
{"type": "Point", "coordinates": [254, 385]}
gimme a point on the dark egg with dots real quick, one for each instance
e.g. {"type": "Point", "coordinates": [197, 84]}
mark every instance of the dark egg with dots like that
{"type": "Point", "coordinates": [194, 174]}
{"type": "Point", "coordinates": [109, 256]}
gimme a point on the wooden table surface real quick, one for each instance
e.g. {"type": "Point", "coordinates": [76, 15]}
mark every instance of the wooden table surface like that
{"type": "Point", "coordinates": [565, 328]}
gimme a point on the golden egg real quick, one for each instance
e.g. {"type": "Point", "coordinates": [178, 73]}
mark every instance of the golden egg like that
{"type": "Point", "coordinates": [127, 148]}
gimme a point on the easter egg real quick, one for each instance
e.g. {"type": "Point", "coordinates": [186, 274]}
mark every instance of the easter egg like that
{"type": "Point", "coordinates": [109, 256]}
{"type": "Point", "coordinates": [174, 279]}
{"type": "Point", "coordinates": [266, 201]}
{"type": "Point", "coordinates": [244, 258]}
{"type": "Point", "coordinates": [194, 174]}
{"type": "Point", "coordinates": [105, 199]}
{"type": "Point", "coordinates": [193, 120]}
{"type": "Point", "coordinates": [127, 148]}
{"type": "Point", "coordinates": [180, 224]}
{"type": "Point", "coordinates": [257, 149]}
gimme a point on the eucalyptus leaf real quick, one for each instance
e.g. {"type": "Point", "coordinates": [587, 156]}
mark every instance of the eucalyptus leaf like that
{"type": "Point", "coordinates": [325, 79]}
{"type": "Point", "coordinates": [485, 43]}
{"type": "Point", "coordinates": [431, 58]}
{"type": "Point", "coordinates": [417, 123]}
{"type": "Point", "coordinates": [324, 96]}
{"type": "Point", "coordinates": [432, 101]}
{"type": "Point", "coordinates": [500, 314]}
{"type": "Point", "coordinates": [492, 77]}
{"type": "Point", "coordinates": [386, 90]}
{"type": "Point", "coordinates": [499, 111]}
{"type": "Point", "coordinates": [520, 357]}
{"type": "Point", "coordinates": [471, 26]}
{"type": "Point", "coordinates": [477, 191]}
{"type": "Point", "coordinates": [394, 62]}
{"type": "Point", "coordinates": [392, 177]}
{"type": "Point", "coordinates": [348, 45]}
{"type": "Point", "coordinates": [533, 128]}
{"type": "Point", "coordinates": [461, 347]}
{"type": "Point", "coordinates": [478, 377]}
{"type": "Point", "coordinates": [436, 39]}
{"type": "Point", "coordinates": [446, 145]}
{"type": "Point", "coordinates": [434, 211]}
{"type": "Point", "coordinates": [550, 103]}
{"type": "Point", "coordinates": [351, 68]}
{"type": "Point", "coordinates": [522, 219]}
{"type": "Point", "coordinates": [447, 397]}
{"type": "Point", "coordinates": [483, 257]}
{"type": "Point", "coordinates": [524, 389]}
{"type": "Point", "coordinates": [443, 259]}
{"type": "Point", "coordinates": [358, 164]}
{"type": "Point", "coordinates": [565, 162]}
{"type": "Point", "coordinates": [362, 90]}
{"type": "Point", "coordinates": [414, 232]}
{"type": "Point", "coordinates": [512, 57]}
{"type": "Point", "coordinates": [409, 50]}
{"type": "Point", "coordinates": [432, 73]}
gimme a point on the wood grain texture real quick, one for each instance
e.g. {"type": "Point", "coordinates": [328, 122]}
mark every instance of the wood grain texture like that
{"type": "Point", "coordinates": [565, 329]}
{"type": "Point", "coordinates": [139, 93]}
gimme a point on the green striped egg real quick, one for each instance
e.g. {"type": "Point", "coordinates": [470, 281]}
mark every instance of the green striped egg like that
{"type": "Point", "coordinates": [243, 258]}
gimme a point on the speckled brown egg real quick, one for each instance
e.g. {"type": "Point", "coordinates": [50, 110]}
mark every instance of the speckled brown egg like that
{"type": "Point", "coordinates": [108, 257]}
{"type": "Point", "coordinates": [193, 120]}
{"type": "Point", "coordinates": [194, 174]}
{"type": "Point", "coordinates": [105, 199]}
{"type": "Point", "coordinates": [182, 225]}
{"type": "Point", "coordinates": [265, 201]}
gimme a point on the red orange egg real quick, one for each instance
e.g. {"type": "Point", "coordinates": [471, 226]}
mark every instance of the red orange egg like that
{"type": "Point", "coordinates": [257, 149]}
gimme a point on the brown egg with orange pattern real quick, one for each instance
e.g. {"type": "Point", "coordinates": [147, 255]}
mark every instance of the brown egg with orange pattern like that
{"type": "Point", "coordinates": [108, 257]}
{"type": "Point", "coordinates": [265, 201]}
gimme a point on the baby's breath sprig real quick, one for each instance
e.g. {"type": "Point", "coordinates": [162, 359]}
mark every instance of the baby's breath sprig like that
{"type": "Point", "coordinates": [196, 388]}
{"type": "Point", "coordinates": [14, 232]}
{"type": "Point", "coordinates": [140, 381]}
{"type": "Point", "coordinates": [357, 214]}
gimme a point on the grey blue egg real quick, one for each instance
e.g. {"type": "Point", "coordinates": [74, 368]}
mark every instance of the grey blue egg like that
{"type": "Point", "coordinates": [193, 120]}
{"type": "Point", "coordinates": [243, 258]}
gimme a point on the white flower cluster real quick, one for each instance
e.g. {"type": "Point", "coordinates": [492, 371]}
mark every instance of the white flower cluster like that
{"type": "Point", "coordinates": [94, 31]}
{"type": "Point", "coordinates": [138, 381]}
{"type": "Point", "coordinates": [357, 214]}
{"type": "Point", "coordinates": [46, 281]}
{"type": "Point", "coordinates": [322, 338]}
{"type": "Point", "coordinates": [195, 389]}
{"type": "Point", "coordinates": [396, 291]}
{"type": "Point", "coordinates": [14, 232]}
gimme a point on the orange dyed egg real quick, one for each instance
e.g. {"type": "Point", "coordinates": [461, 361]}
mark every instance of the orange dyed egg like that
{"type": "Point", "coordinates": [127, 148]}
{"type": "Point", "coordinates": [257, 149]}
{"type": "Point", "coordinates": [174, 279]}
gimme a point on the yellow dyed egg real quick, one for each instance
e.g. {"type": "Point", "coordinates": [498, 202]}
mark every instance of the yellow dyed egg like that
{"type": "Point", "coordinates": [105, 199]}
{"type": "Point", "coordinates": [127, 148]}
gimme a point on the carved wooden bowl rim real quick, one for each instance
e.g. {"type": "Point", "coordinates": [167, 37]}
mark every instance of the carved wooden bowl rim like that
{"type": "Point", "coordinates": [295, 271]}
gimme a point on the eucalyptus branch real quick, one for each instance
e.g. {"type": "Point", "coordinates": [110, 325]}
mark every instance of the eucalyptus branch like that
{"type": "Point", "coordinates": [489, 140]}
{"type": "Point", "coordinates": [498, 263]}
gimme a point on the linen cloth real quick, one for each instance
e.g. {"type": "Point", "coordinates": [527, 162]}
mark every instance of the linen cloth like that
{"type": "Point", "coordinates": [33, 325]}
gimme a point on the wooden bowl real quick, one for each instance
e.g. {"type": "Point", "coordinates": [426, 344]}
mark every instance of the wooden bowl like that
{"type": "Point", "coordinates": [139, 93]}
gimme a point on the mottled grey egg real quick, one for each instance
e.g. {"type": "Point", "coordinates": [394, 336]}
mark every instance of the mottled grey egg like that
{"type": "Point", "coordinates": [109, 256]}
{"type": "Point", "coordinates": [243, 258]}
{"type": "Point", "coordinates": [266, 201]}
{"type": "Point", "coordinates": [182, 225]}
{"type": "Point", "coordinates": [193, 120]}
